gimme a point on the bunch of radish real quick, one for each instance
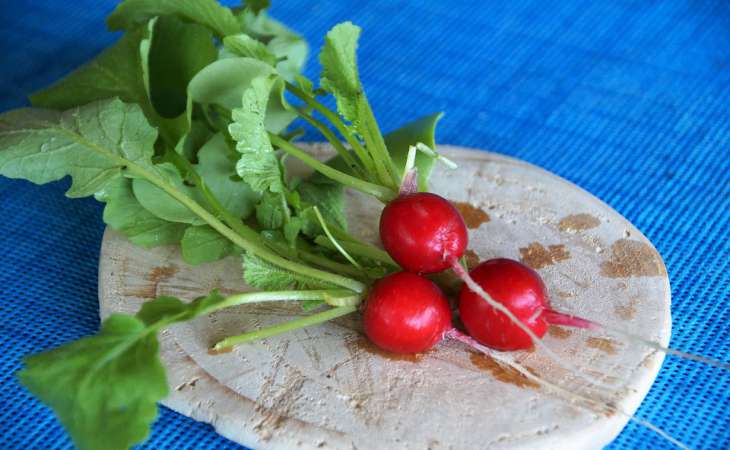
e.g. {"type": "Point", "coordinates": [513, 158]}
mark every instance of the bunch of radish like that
{"type": "Point", "coordinates": [503, 304]}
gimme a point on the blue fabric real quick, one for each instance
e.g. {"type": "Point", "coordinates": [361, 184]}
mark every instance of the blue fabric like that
{"type": "Point", "coordinates": [628, 99]}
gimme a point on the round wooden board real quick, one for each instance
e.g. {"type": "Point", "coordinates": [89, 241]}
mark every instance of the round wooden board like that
{"type": "Point", "coordinates": [325, 387]}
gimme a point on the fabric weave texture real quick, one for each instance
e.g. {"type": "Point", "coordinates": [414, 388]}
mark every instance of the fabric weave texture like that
{"type": "Point", "coordinates": [629, 99]}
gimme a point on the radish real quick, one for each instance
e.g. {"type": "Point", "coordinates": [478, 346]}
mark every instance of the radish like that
{"type": "Point", "coordinates": [423, 232]}
{"type": "Point", "coordinates": [406, 313]}
{"type": "Point", "coordinates": [517, 287]}
{"type": "Point", "coordinates": [520, 290]}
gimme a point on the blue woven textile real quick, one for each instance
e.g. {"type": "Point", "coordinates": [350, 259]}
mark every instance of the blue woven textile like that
{"type": "Point", "coordinates": [628, 99]}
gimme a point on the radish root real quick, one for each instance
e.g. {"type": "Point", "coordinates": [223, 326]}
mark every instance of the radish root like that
{"type": "Point", "coordinates": [558, 318]}
{"type": "Point", "coordinates": [600, 406]}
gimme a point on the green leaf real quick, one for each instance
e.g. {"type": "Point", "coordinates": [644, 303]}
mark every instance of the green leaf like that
{"type": "Point", "coordinates": [162, 204]}
{"type": "Point", "coordinates": [94, 144]}
{"type": "Point", "coordinates": [310, 223]}
{"type": "Point", "coordinates": [195, 138]}
{"type": "Point", "coordinates": [287, 46]}
{"type": "Point", "coordinates": [124, 214]}
{"type": "Point", "coordinates": [256, 6]}
{"type": "Point", "coordinates": [209, 13]}
{"type": "Point", "coordinates": [246, 46]}
{"type": "Point", "coordinates": [263, 275]}
{"type": "Point", "coordinates": [291, 52]}
{"type": "Point", "coordinates": [270, 213]}
{"type": "Point", "coordinates": [224, 82]}
{"type": "Point", "coordinates": [340, 77]}
{"type": "Point", "coordinates": [216, 166]}
{"type": "Point", "coordinates": [164, 311]}
{"type": "Point", "coordinates": [292, 229]}
{"type": "Point", "coordinates": [328, 196]}
{"type": "Point", "coordinates": [116, 72]}
{"type": "Point", "coordinates": [258, 165]}
{"type": "Point", "coordinates": [339, 69]}
{"type": "Point", "coordinates": [104, 388]}
{"type": "Point", "coordinates": [171, 56]}
{"type": "Point", "coordinates": [420, 130]}
{"type": "Point", "coordinates": [203, 244]}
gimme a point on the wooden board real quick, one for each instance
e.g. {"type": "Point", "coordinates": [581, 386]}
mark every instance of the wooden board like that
{"type": "Point", "coordinates": [325, 387]}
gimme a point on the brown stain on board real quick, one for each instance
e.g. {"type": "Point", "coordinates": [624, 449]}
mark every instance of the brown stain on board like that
{"type": "Point", "coordinates": [578, 222]}
{"type": "Point", "coordinates": [155, 276]}
{"type": "Point", "coordinates": [559, 332]}
{"type": "Point", "coordinates": [365, 345]}
{"type": "Point", "coordinates": [627, 311]}
{"type": "Point", "coordinates": [161, 273]}
{"type": "Point", "coordinates": [471, 258]}
{"type": "Point", "coordinates": [473, 216]}
{"type": "Point", "coordinates": [537, 256]}
{"type": "Point", "coordinates": [605, 345]}
{"type": "Point", "coordinates": [500, 372]}
{"type": "Point", "coordinates": [633, 259]}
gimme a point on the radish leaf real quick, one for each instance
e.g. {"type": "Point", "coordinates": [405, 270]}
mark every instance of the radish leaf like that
{"type": "Point", "coordinates": [420, 130]}
{"type": "Point", "coordinates": [209, 13]}
{"type": "Point", "coordinates": [246, 46]}
{"type": "Point", "coordinates": [171, 56]}
{"type": "Point", "coordinates": [94, 144]}
{"type": "Point", "coordinates": [216, 165]}
{"type": "Point", "coordinates": [203, 244]}
{"type": "Point", "coordinates": [104, 388]}
{"type": "Point", "coordinates": [124, 213]}
{"type": "Point", "coordinates": [116, 72]}
{"type": "Point", "coordinates": [258, 164]}
{"type": "Point", "coordinates": [224, 82]}
{"type": "Point", "coordinates": [340, 77]}
{"type": "Point", "coordinates": [263, 275]}
{"type": "Point", "coordinates": [289, 49]}
{"type": "Point", "coordinates": [162, 204]}
{"type": "Point", "coordinates": [270, 212]}
{"type": "Point", "coordinates": [328, 196]}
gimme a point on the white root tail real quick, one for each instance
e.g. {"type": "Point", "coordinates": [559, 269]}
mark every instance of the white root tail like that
{"type": "Point", "coordinates": [600, 406]}
{"type": "Point", "coordinates": [559, 318]}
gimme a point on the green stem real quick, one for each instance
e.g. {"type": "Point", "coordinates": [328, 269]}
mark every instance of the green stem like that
{"type": "Point", "coordinates": [275, 330]}
{"type": "Point", "coordinates": [335, 120]}
{"type": "Point", "coordinates": [375, 143]}
{"type": "Point", "coordinates": [333, 140]}
{"type": "Point", "coordinates": [250, 244]}
{"type": "Point", "coordinates": [326, 295]}
{"type": "Point", "coordinates": [360, 249]}
{"type": "Point", "coordinates": [327, 263]}
{"type": "Point", "coordinates": [314, 258]}
{"type": "Point", "coordinates": [285, 207]}
{"type": "Point", "coordinates": [232, 221]}
{"type": "Point", "coordinates": [334, 242]}
{"type": "Point", "coordinates": [382, 193]}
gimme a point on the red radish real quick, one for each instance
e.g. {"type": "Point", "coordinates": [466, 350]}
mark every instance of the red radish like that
{"type": "Point", "coordinates": [517, 287]}
{"type": "Point", "coordinates": [521, 291]}
{"type": "Point", "coordinates": [423, 232]}
{"type": "Point", "coordinates": [406, 313]}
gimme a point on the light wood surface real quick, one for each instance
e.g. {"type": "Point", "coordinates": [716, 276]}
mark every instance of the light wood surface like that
{"type": "Point", "coordinates": [325, 387]}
